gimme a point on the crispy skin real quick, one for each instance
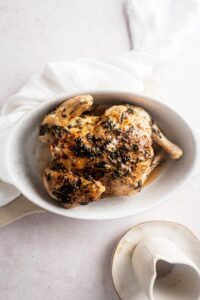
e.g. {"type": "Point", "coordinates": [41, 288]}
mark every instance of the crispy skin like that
{"type": "Point", "coordinates": [72, 190]}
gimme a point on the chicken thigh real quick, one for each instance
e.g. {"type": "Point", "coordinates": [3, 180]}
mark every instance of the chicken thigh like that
{"type": "Point", "coordinates": [112, 153]}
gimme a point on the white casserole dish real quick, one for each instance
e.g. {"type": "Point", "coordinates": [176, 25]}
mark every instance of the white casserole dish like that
{"type": "Point", "coordinates": [26, 160]}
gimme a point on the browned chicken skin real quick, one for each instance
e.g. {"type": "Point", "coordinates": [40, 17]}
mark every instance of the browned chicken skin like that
{"type": "Point", "coordinates": [64, 186]}
{"type": "Point", "coordinates": [110, 153]}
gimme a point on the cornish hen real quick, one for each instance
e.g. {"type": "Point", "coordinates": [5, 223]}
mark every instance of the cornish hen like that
{"type": "Point", "coordinates": [112, 153]}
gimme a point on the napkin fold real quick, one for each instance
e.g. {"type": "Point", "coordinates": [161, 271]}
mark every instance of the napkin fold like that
{"type": "Point", "coordinates": [158, 30]}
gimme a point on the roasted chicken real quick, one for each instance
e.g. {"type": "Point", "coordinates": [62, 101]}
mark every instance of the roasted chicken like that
{"type": "Point", "coordinates": [112, 153]}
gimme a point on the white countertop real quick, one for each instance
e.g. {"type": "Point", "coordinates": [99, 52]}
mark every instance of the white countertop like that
{"type": "Point", "coordinates": [45, 256]}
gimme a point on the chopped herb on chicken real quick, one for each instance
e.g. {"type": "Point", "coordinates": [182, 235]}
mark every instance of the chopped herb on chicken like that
{"type": "Point", "coordinates": [111, 152]}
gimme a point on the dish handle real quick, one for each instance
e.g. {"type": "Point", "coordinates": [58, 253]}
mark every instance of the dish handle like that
{"type": "Point", "coordinates": [17, 209]}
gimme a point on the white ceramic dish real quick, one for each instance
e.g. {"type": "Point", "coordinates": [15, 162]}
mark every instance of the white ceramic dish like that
{"type": "Point", "coordinates": [26, 158]}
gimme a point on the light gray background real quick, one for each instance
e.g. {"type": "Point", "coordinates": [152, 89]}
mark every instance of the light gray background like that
{"type": "Point", "coordinates": [50, 257]}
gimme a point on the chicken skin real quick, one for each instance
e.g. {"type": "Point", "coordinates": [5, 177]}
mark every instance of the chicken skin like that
{"type": "Point", "coordinates": [64, 185]}
{"type": "Point", "coordinates": [93, 154]}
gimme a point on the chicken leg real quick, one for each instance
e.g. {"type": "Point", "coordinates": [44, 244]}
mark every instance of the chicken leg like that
{"type": "Point", "coordinates": [158, 137]}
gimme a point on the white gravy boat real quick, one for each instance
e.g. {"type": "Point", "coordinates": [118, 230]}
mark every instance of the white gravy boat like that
{"type": "Point", "coordinates": [164, 272]}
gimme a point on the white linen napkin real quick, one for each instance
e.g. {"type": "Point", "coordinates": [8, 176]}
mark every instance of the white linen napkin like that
{"type": "Point", "coordinates": [158, 29]}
